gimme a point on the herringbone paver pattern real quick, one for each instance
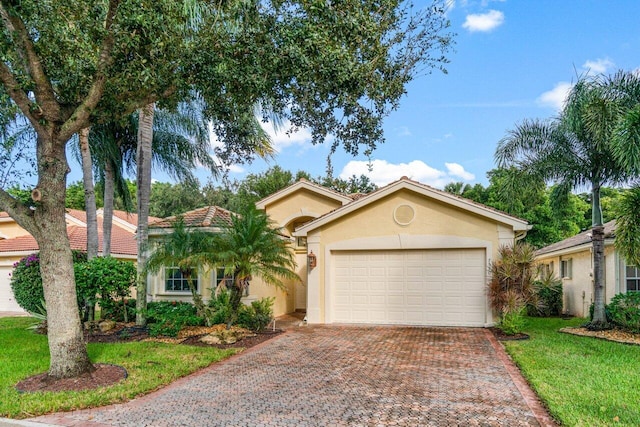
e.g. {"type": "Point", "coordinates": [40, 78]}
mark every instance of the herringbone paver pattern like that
{"type": "Point", "coordinates": [337, 376]}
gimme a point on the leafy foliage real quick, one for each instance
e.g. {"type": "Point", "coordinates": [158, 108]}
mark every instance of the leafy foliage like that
{"type": "Point", "coordinates": [511, 286]}
{"type": "Point", "coordinates": [628, 227]}
{"type": "Point", "coordinates": [168, 317]}
{"type": "Point", "coordinates": [624, 310]}
{"type": "Point", "coordinates": [105, 281]}
{"type": "Point", "coordinates": [26, 281]}
{"type": "Point", "coordinates": [547, 299]}
{"type": "Point", "coordinates": [256, 316]}
{"type": "Point", "coordinates": [220, 305]}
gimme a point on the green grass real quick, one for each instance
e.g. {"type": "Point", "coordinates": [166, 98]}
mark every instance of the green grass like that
{"type": "Point", "coordinates": [149, 365]}
{"type": "Point", "coordinates": [583, 381]}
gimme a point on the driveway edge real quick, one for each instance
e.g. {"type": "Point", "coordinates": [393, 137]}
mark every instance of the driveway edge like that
{"type": "Point", "coordinates": [529, 396]}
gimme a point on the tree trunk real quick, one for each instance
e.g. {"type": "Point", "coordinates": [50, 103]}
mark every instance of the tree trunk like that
{"type": "Point", "coordinates": [599, 320]}
{"type": "Point", "coordinates": [143, 159]}
{"type": "Point", "coordinates": [89, 194]}
{"type": "Point", "coordinates": [107, 210]}
{"type": "Point", "coordinates": [67, 348]}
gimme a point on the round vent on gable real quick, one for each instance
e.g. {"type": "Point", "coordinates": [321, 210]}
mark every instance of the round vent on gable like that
{"type": "Point", "coordinates": [404, 214]}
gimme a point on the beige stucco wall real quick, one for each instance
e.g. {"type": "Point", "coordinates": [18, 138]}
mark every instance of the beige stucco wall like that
{"type": "Point", "coordinates": [10, 229]}
{"type": "Point", "coordinates": [578, 289]}
{"type": "Point", "coordinates": [301, 203]}
{"type": "Point", "coordinates": [435, 225]}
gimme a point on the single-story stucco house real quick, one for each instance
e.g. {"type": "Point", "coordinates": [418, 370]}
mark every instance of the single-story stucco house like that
{"type": "Point", "coordinates": [16, 243]}
{"type": "Point", "coordinates": [572, 261]}
{"type": "Point", "coordinates": [404, 254]}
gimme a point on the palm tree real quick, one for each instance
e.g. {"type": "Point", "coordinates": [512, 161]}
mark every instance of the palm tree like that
{"type": "Point", "coordinates": [628, 227]}
{"type": "Point", "coordinates": [574, 150]}
{"type": "Point", "coordinates": [188, 250]}
{"type": "Point", "coordinates": [251, 247]}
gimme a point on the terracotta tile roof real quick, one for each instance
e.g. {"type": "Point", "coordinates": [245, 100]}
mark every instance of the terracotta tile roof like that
{"type": "Point", "coordinates": [131, 217]}
{"type": "Point", "coordinates": [123, 241]}
{"type": "Point", "coordinates": [578, 239]}
{"type": "Point", "coordinates": [209, 216]}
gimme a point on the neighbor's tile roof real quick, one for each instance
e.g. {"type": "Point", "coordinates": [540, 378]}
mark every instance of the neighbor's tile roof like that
{"type": "Point", "coordinates": [209, 216]}
{"type": "Point", "coordinates": [578, 239]}
{"type": "Point", "coordinates": [123, 241]}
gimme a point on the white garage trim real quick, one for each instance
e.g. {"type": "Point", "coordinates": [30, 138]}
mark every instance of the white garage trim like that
{"type": "Point", "coordinates": [390, 242]}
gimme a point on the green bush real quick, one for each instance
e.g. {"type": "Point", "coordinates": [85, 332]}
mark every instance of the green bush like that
{"type": "Point", "coordinates": [220, 305]}
{"type": "Point", "coordinates": [513, 322]}
{"type": "Point", "coordinates": [607, 313]}
{"type": "Point", "coordinates": [105, 281]}
{"type": "Point", "coordinates": [624, 310]}
{"type": "Point", "coordinates": [168, 317]}
{"type": "Point", "coordinates": [114, 309]}
{"type": "Point", "coordinates": [258, 315]}
{"type": "Point", "coordinates": [547, 300]}
{"type": "Point", "coordinates": [26, 281]}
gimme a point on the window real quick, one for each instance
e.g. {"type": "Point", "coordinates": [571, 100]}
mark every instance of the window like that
{"type": "Point", "coordinates": [633, 278]}
{"type": "Point", "coordinates": [565, 268]}
{"type": "Point", "coordinates": [301, 242]}
{"type": "Point", "coordinates": [220, 276]}
{"type": "Point", "coordinates": [175, 281]}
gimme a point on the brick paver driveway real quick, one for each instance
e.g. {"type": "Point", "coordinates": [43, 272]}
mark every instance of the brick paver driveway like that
{"type": "Point", "coordinates": [338, 376]}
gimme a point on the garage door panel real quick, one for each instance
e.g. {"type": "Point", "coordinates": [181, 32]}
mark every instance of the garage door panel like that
{"type": "Point", "coordinates": [418, 287]}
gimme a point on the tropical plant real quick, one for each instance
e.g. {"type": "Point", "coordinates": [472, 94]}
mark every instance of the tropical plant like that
{"type": "Point", "coordinates": [252, 247]}
{"type": "Point", "coordinates": [256, 316]}
{"type": "Point", "coordinates": [188, 250]}
{"type": "Point", "coordinates": [511, 286]}
{"type": "Point", "coordinates": [547, 299]}
{"type": "Point", "coordinates": [574, 150]}
{"type": "Point", "coordinates": [168, 317]}
{"type": "Point", "coordinates": [624, 310]}
{"type": "Point", "coordinates": [628, 227]}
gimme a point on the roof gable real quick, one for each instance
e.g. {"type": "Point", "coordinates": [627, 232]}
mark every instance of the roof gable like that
{"type": "Point", "coordinates": [405, 183]}
{"type": "Point", "coordinates": [306, 185]}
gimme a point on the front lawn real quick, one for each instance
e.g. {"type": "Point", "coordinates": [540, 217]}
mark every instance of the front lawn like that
{"type": "Point", "coordinates": [150, 365]}
{"type": "Point", "coordinates": [583, 381]}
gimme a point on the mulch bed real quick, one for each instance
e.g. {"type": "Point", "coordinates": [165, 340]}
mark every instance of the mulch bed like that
{"type": "Point", "coordinates": [500, 335]}
{"type": "Point", "coordinates": [105, 374]}
{"type": "Point", "coordinates": [609, 335]}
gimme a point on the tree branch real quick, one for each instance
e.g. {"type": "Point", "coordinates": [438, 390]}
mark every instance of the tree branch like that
{"type": "Point", "coordinates": [44, 92]}
{"type": "Point", "coordinates": [19, 96]}
{"type": "Point", "coordinates": [22, 214]}
{"type": "Point", "coordinates": [80, 117]}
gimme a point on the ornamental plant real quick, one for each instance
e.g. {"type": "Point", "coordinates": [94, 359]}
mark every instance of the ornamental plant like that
{"type": "Point", "coordinates": [26, 282]}
{"type": "Point", "coordinates": [511, 287]}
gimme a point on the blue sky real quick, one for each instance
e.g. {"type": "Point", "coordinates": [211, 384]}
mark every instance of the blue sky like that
{"type": "Point", "coordinates": [513, 60]}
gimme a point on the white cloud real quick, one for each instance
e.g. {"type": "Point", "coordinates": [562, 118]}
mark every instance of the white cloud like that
{"type": "Point", "coordinates": [555, 97]}
{"type": "Point", "coordinates": [281, 139]}
{"type": "Point", "coordinates": [457, 170]}
{"type": "Point", "coordinates": [599, 66]}
{"type": "Point", "coordinates": [449, 5]}
{"type": "Point", "coordinates": [484, 22]}
{"type": "Point", "coordinates": [383, 172]}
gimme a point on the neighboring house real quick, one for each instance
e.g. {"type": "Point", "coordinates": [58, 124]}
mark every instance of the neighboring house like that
{"type": "Point", "coordinates": [572, 261]}
{"type": "Point", "coordinates": [16, 242]}
{"type": "Point", "coordinates": [404, 254]}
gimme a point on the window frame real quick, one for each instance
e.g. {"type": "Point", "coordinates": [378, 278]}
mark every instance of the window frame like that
{"type": "Point", "coordinates": [168, 269]}
{"type": "Point", "coordinates": [566, 268]}
{"type": "Point", "coordinates": [634, 278]}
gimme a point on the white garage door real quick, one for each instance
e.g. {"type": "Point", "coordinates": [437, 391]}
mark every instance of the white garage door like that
{"type": "Point", "coordinates": [410, 287]}
{"type": "Point", "coordinates": [7, 300]}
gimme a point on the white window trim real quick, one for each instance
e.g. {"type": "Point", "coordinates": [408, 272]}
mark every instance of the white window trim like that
{"type": "Point", "coordinates": [566, 268]}
{"type": "Point", "coordinates": [166, 291]}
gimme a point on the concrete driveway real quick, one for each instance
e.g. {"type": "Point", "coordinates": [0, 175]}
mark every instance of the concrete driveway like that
{"type": "Point", "coordinates": [342, 376]}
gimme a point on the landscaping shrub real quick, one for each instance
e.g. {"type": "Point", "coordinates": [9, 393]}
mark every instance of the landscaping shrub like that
{"type": "Point", "coordinates": [511, 287]}
{"type": "Point", "coordinates": [114, 310]}
{"type": "Point", "coordinates": [105, 281]}
{"type": "Point", "coordinates": [547, 300]}
{"type": "Point", "coordinates": [258, 315]}
{"type": "Point", "coordinates": [607, 313]}
{"type": "Point", "coordinates": [220, 306]}
{"type": "Point", "coordinates": [168, 317]}
{"type": "Point", "coordinates": [26, 281]}
{"type": "Point", "coordinates": [624, 310]}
